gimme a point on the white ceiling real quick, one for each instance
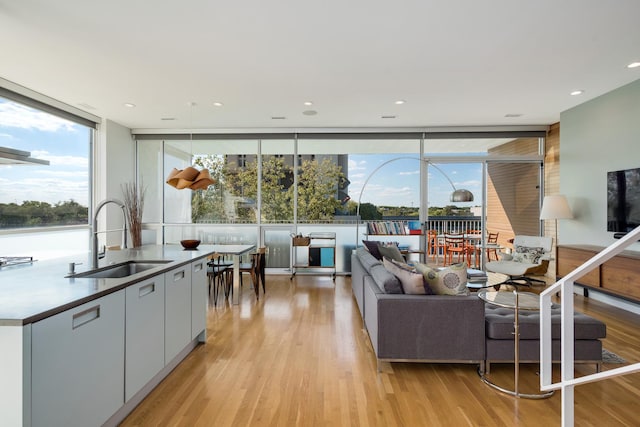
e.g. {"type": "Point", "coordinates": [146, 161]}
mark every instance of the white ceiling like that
{"type": "Point", "coordinates": [455, 63]}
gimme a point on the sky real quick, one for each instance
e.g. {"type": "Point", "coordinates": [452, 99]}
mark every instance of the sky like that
{"type": "Point", "coordinates": [64, 144]}
{"type": "Point", "coordinates": [397, 183]}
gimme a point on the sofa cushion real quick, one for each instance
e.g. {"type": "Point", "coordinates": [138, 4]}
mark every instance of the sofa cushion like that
{"type": "Point", "coordinates": [411, 281]}
{"type": "Point", "coordinates": [390, 251]}
{"type": "Point", "coordinates": [385, 280]}
{"type": "Point", "coordinates": [499, 324]}
{"type": "Point", "coordinates": [451, 280]}
{"type": "Point", "coordinates": [366, 259]}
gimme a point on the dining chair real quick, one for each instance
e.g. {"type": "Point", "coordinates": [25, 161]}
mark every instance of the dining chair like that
{"type": "Point", "coordinates": [492, 239]}
{"type": "Point", "coordinates": [456, 244]}
{"type": "Point", "coordinates": [432, 244]}
{"type": "Point", "coordinates": [255, 268]}
{"type": "Point", "coordinates": [219, 276]}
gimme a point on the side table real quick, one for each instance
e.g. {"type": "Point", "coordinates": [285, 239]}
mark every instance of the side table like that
{"type": "Point", "coordinates": [516, 301]}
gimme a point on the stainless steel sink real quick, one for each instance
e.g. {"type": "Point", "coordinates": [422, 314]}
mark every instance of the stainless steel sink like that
{"type": "Point", "coordinates": [118, 271]}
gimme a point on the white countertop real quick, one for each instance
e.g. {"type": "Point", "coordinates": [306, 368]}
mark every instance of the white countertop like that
{"type": "Point", "coordinates": [31, 292]}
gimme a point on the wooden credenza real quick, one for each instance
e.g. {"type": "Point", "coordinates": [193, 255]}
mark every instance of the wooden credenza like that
{"type": "Point", "coordinates": [620, 276]}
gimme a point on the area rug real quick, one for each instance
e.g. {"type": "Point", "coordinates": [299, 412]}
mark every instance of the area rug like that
{"type": "Point", "coordinates": [609, 357]}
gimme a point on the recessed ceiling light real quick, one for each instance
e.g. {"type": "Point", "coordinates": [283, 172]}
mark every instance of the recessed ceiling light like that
{"type": "Point", "coordinates": [308, 103]}
{"type": "Point", "coordinates": [310, 112]}
{"type": "Point", "coordinates": [513, 115]}
{"type": "Point", "coordinates": [400, 102]}
{"type": "Point", "coordinates": [218, 104]}
{"type": "Point", "coordinates": [129, 105]}
{"type": "Point", "coordinates": [278, 118]}
{"type": "Point", "coordinates": [577, 92]}
{"type": "Point", "coordinates": [634, 65]}
{"type": "Point", "coordinates": [388, 117]}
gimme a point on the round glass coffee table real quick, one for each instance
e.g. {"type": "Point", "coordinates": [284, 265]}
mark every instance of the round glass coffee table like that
{"type": "Point", "coordinates": [516, 301]}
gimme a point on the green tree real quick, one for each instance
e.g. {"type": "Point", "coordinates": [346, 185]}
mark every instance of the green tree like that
{"type": "Point", "coordinates": [275, 199]}
{"type": "Point", "coordinates": [208, 205]}
{"type": "Point", "coordinates": [317, 186]}
{"type": "Point", "coordinates": [369, 212]}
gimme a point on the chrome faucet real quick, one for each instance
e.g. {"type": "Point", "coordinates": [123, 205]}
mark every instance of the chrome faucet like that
{"type": "Point", "coordinates": [94, 229]}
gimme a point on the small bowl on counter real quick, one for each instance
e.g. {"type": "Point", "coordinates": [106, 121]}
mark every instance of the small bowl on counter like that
{"type": "Point", "coordinates": [190, 244]}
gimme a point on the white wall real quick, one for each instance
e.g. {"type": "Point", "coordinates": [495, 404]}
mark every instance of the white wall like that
{"type": "Point", "coordinates": [114, 166]}
{"type": "Point", "coordinates": [598, 136]}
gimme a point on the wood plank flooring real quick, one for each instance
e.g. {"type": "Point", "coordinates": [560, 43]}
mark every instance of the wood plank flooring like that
{"type": "Point", "coordinates": [300, 357]}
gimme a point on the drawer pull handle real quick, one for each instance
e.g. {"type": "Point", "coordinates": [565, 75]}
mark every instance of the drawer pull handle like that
{"type": "Point", "coordinates": [85, 316]}
{"type": "Point", "coordinates": [178, 276]}
{"type": "Point", "coordinates": [197, 267]}
{"type": "Point", "coordinates": [146, 290]}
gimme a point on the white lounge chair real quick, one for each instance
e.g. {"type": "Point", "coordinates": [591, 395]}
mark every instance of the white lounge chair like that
{"type": "Point", "coordinates": [530, 257]}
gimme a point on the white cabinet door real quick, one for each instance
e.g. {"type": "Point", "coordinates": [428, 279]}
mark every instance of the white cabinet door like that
{"type": "Point", "coordinates": [199, 298]}
{"type": "Point", "coordinates": [144, 342]}
{"type": "Point", "coordinates": [177, 320]}
{"type": "Point", "coordinates": [78, 364]}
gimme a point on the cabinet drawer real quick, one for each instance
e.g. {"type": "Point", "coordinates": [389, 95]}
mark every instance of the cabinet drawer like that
{"type": "Point", "coordinates": [77, 364]}
{"type": "Point", "coordinates": [177, 320]}
{"type": "Point", "coordinates": [144, 333]}
{"type": "Point", "coordinates": [569, 259]}
{"type": "Point", "coordinates": [199, 298]}
{"type": "Point", "coordinates": [622, 275]}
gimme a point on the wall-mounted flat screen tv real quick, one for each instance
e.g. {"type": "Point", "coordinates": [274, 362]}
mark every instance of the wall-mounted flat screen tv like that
{"type": "Point", "coordinates": [623, 200]}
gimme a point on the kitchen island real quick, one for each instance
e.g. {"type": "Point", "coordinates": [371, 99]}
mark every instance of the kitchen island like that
{"type": "Point", "coordinates": [86, 351]}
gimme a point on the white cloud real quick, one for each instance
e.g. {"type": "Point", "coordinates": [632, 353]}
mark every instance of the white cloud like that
{"type": "Point", "coordinates": [18, 116]}
{"type": "Point", "coordinates": [62, 174]}
{"type": "Point", "coordinates": [6, 135]}
{"type": "Point", "coordinates": [50, 190]}
{"type": "Point", "coordinates": [75, 161]}
{"type": "Point", "coordinates": [355, 166]}
{"type": "Point", "coordinates": [416, 172]}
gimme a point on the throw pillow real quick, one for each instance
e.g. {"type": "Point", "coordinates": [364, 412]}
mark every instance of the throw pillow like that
{"type": "Point", "coordinates": [386, 281]}
{"type": "Point", "coordinates": [412, 282]}
{"type": "Point", "coordinates": [451, 280]}
{"type": "Point", "coordinates": [372, 247]}
{"type": "Point", "coordinates": [529, 255]}
{"type": "Point", "coordinates": [391, 251]}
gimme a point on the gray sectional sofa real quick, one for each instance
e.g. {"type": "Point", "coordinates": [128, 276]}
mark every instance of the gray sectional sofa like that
{"type": "Point", "coordinates": [420, 328]}
{"type": "Point", "coordinates": [458, 329]}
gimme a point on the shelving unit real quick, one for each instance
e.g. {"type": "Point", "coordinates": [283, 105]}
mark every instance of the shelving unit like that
{"type": "Point", "coordinates": [400, 229]}
{"type": "Point", "coordinates": [316, 251]}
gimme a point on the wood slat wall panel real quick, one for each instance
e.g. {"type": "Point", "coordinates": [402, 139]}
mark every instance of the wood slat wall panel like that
{"type": "Point", "coordinates": [512, 193]}
{"type": "Point", "coordinates": [552, 184]}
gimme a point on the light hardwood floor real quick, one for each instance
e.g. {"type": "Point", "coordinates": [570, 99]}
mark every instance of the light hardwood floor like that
{"type": "Point", "coordinates": [300, 357]}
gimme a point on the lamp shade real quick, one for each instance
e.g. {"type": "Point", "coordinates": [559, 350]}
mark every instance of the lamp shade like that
{"type": "Point", "coordinates": [462, 195]}
{"type": "Point", "coordinates": [555, 207]}
{"type": "Point", "coordinates": [190, 177]}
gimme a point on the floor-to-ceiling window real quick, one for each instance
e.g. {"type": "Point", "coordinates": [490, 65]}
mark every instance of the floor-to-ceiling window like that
{"type": "Point", "coordinates": [44, 179]}
{"type": "Point", "coordinates": [270, 186]}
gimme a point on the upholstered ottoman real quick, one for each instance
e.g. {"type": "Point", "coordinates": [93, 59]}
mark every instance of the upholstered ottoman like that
{"type": "Point", "coordinates": [499, 336]}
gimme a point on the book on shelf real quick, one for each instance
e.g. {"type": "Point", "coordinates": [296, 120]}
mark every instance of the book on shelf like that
{"type": "Point", "coordinates": [387, 227]}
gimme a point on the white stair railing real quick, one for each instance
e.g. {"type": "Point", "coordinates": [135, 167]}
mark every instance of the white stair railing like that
{"type": "Point", "coordinates": [565, 286]}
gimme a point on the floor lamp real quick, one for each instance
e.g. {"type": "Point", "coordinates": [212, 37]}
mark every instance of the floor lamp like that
{"type": "Point", "coordinates": [458, 194]}
{"type": "Point", "coordinates": [555, 208]}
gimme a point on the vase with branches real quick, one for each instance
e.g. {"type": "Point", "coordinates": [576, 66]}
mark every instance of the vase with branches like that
{"type": "Point", "coordinates": [134, 205]}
